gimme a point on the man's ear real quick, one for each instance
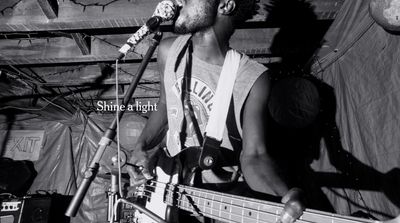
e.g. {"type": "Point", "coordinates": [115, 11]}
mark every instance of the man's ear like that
{"type": "Point", "coordinates": [226, 7]}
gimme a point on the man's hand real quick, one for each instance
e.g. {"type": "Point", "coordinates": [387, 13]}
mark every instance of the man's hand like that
{"type": "Point", "coordinates": [141, 165]}
{"type": "Point", "coordinates": [294, 206]}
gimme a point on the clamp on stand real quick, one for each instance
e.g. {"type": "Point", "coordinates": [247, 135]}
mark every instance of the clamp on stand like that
{"type": "Point", "coordinates": [113, 196]}
{"type": "Point", "coordinates": [113, 214]}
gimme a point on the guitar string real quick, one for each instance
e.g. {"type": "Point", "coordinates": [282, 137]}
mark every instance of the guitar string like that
{"type": "Point", "coordinates": [220, 217]}
{"type": "Point", "coordinates": [208, 192]}
{"type": "Point", "coordinates": [332, 215]}
{"type": "Point", "coordinates": [308, 212]}
{"type": "Point", "coordinates": [219, 210]}
{"type": "Point", "coordinates": [209, 215]}
{"type": "Point", "coordinates": [212, 216]}
{"type": "Point", "coordinates": [258, 211]}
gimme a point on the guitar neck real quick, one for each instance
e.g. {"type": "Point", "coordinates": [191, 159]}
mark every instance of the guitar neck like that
{"type": "Point", "coordinates": [232, 208]}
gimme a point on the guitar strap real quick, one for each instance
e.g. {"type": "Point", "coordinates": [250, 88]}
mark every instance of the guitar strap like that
{"type": "Point", "coordinates": [185, 97]}
{"type": "Point", "coordinates": [217, 120]}
{"type": "Point", "coordinates": [216, 124]}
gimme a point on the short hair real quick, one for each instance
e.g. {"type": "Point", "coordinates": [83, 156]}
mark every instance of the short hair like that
{"type": "Point", "coordinates": [245, 9]}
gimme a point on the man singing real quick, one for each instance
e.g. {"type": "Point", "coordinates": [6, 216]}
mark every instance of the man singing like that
{"type": "Point", "coordinates": [190, 66]}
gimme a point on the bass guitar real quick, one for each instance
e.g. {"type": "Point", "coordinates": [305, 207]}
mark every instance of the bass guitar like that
{"type": "Point", "coordinates": [164, 195]}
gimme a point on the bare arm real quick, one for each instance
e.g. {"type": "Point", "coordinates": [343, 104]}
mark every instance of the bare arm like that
{"type": "Point", "coordinates": [157, 124]}
{"type": "Point", "coordinates": [154, 130]}
{"type": "Point", "coordinates": [260, 171]}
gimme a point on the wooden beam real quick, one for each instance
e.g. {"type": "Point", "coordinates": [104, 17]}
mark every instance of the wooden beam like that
{"type": "Point", "coordinates": [61, 50]}
{"type": "Point", "coordinates": [66, 61]}
{"type": "Point", "coordinates": [83, 42]}
{"type": "Point", "coordinates": [25, 76]}
{"type": "Point", "coordinates": [112, 97]}
{"type": "Point", "coordinates": [49, 8]}
{"type": "Point", "coordinates": [77, 60]}
{"type": "Point", "coordinates": [75, 76]}
{"type": "Point", "coordinates": [80, 83]}
{"type": "Point", "coordinates": [58, 51]}
{"type": "Point", "coordinates": [64, 51]}
{"type": "Point", "coordinates": [72, 17]}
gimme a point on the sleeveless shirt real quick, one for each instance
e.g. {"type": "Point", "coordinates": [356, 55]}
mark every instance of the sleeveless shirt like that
{"type": "Point", "coordinates": [203, 82]}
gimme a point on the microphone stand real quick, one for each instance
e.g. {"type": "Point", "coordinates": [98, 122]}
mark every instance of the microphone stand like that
{"type": "Point", "coordinates": [110, 133]}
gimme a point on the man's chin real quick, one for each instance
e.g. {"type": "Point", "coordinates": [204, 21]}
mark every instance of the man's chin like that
{"type": "Point", "coordinates": [181, 30]}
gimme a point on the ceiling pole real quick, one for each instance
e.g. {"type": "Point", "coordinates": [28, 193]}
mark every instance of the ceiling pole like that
{"type": "Point", "coordinates": [83, 42]}
{"type": "Point", "coordinates": [49, 8]}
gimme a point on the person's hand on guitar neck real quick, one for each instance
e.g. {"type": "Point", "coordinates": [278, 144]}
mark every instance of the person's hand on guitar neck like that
{"type": "Point", "coordinates": [141, 165]}
{"type": "Point", "coordinates": [294, 206]}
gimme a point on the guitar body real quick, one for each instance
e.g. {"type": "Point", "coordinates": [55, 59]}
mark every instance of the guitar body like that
{"type": "Point", "coordinates": [168, 171]}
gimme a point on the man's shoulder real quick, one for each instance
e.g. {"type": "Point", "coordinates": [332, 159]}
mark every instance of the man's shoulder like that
{"type": "Point", "coordinates": [173, 41]}
{"type": "Point", "coordinates": [250, 67]}
{"type": "Point", "coordinates": [252, 77]}
{"type": "Point", "coordinates": [247, 61]}
{"type": "Point", "coordinates": [166, 44]}
{"type": "Point", "coordinates": [164, 49]}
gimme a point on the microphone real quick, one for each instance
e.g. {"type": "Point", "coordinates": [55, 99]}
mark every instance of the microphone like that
{"type": "Point", "coordinates": [165, 11]}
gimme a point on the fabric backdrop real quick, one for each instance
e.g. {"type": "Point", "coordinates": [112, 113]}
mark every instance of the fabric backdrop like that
{"type": "Point", "coordinates": [360, 61]}
{"type": "Point", "coordinates": [69, 144]}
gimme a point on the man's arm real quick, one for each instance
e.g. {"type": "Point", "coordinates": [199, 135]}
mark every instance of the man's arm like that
{"type": "Point", "coordinates": [261, 172]}
{"type": "Point", "coordinates": [157, 124]}
{"type": "Point", "coordinates": [155, 128]}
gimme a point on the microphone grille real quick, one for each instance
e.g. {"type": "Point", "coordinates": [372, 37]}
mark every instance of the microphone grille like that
{"type": "Point", "coordinates": [165, 10]}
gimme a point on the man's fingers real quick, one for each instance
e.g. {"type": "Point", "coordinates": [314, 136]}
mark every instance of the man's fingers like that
{"type": "Point", "coordinates": [138, 175]}
{"type": "Point", "coordinates": [138, 180]}
{"type": "Point", "coordinates": [141, 165]}
{"type": "Point", "coordinates": [146, 173]}
{"type": "Point", "coordinates": [133, 173]}
{"type": "Point", "coordinates": [135, 183]}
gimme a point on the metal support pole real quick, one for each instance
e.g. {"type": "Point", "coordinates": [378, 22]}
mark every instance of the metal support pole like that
{"type": "Point", "coordinates": [110, 133]}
